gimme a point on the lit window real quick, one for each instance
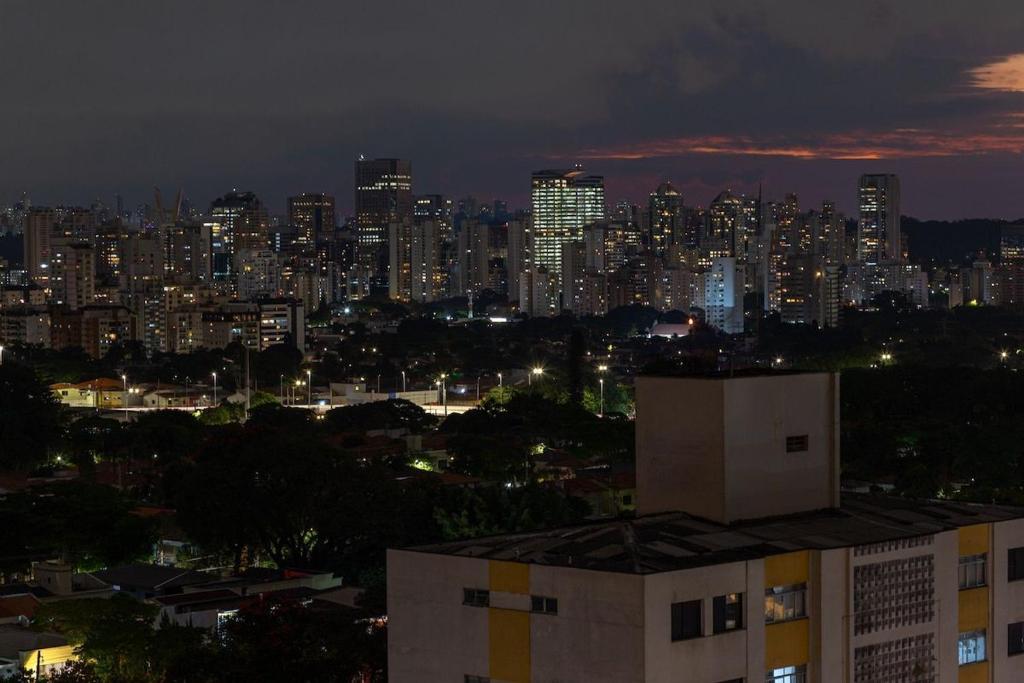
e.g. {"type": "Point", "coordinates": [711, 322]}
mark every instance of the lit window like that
{"type": "Point", "coordinates": [787, 674]}
{"type": "Point", "coordinates": [785, 603]}
{"type": "Point", "coordinates": [727, 611]}
{"type": "Point", "coordinates": [971, 647]}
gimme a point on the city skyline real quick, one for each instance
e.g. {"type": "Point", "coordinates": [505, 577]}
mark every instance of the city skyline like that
{"type": "Point", "coordinates": [793, 99]}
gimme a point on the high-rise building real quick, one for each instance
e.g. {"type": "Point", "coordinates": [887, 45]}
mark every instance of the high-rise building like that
{"type": "Point", "coordinates": [40, 223]}
{"type": "Point", "coordinates": [744, 562]}
{"type": "Point", "coordinates": [519, 254]}
{"type": "Point", "coordinates": [723, 296]}
{"type": "Point", "coordinates": [243, 224]}
{"type": "Point", "coordinates": [664, 218]}
{"type": "Point", "coordinates": [311, 215]}
{"type": "Point", "coordinates": [878, 230]}
{"type": "Point", "coordinates": [574, 261]}
{"type": "Point", "coordinates": [473, 257]}
{"type": "Point", "coordinates": [563, 201]}
{"type": "Point", "coordinates": [809, 291]}
{"type": "Point", "coordinates": [383, 195]}
{"type": "Point", "coordinates": [72, 273]}
{"type": "Point", "coordinates": [188, 252]}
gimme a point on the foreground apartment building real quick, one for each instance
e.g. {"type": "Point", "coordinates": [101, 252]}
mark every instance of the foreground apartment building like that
{"type": "Point", "coordinates": [744, 563]}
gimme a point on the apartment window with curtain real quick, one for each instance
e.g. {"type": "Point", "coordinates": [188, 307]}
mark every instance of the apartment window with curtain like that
{"type": "Point", "coordinates": [785, 603]}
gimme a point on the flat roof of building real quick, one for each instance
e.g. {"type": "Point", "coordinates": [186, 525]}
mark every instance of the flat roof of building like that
{"type": "Point", "coordinates": [675, 540]}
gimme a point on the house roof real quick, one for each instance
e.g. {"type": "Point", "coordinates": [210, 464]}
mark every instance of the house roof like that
{"type": "Point", "coordinates": [150, 577]}
{"type": "Point", "coordinates": [676, 540]}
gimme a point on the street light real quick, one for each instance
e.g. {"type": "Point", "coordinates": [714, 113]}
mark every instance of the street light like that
{"type": "Point", "coordinates": [1003, 355]}
{"type": "Point", "coordinates": [444, 393]}
{"type": "Point", "coordinates": [124, 398]}
{"type": "Point", "coordinates": [214, 388]}
{"type": "Point", "coordinates": [499, 380]}
{"type": "Point", "coordinates": [309, 389]}
{"type": "Point", "coordinates": [535, 371]}
{"type": "Point", "coordinates": [1, 354]}
{"type": "Point", "coordinates": [283, 402]}
{"type": "Point", "coordinates": [601, 382]}
{"type": "Point", "coordinates": [403, 381]}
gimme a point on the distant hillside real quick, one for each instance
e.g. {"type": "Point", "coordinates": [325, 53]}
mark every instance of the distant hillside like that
{"type": "Point", "coordinates": [957, 241]}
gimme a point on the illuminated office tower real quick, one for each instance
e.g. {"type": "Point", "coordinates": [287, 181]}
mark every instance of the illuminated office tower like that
{"type": "Point", "coordinates": [732, 224]}
{"type": "Point", "coordinates": [244, 224]}
{"type": "Point", "coordinates": [383, 195]}
{"type": "Point", "coordinates": [437, 208]}
{"type": "Point", "coordinates": [664, 217]}
{"type": "Point", "coordinates": [40, 223]}
{"type": "Point", "coordinates": [878, 231]}
{"type": "Point", "coordinates": [312, 216]}
{"type": "Point", "coordinates": [563, 202]}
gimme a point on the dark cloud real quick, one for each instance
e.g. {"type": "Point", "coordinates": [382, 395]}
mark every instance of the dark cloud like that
{"type": "Point", "coordinates": [106, 96]}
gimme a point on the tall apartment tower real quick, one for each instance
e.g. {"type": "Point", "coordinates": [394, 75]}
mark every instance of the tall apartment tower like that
{"type": "Point", "coordinates": [383, 195]}
{"type": "Point", "coordinates": [563, 201]}
{"type": "Point", "coordinates": [664, 217]}
{"type": "Point", "coordinates": [878, 230]}
{"type": "Point", "coordinates": [40, 223]}
{"type": "Point", "coordinates": [312, 216]}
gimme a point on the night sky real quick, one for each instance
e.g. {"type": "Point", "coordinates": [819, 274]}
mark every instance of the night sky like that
{"type": "Point", "coordinates": [279, 97]}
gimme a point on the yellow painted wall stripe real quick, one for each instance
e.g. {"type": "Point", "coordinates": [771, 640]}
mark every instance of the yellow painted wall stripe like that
{"type": "Point", "coordinates": [509, 577]}
{"type": "Point", "coordinates": [973, 610]}
{"type": "Point", "coordinates": [974, 673]}
{"type": "Point", "coordinates": [509, 645]}
{"type": "Point", "coordinates": [786, 569]}
{"type": "Point", "coordinates": [786, 644]}
{"type": "Point", "coordinates": [974, 539]}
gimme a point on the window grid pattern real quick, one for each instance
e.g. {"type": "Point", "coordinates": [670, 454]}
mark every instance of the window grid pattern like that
{"type": "Point", "coordinates": [892, 594]}
{"type": "Point", "coordinates": [890, 546]}
{"type": "Point", "coordinates": [787, 674]}
{"type": "Point", "coordinates": [896, 661]}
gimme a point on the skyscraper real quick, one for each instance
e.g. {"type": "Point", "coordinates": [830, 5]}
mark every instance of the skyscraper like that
{"type": "Point", "coordinates": [563, 202]}
{"type": "Point", "coordinates": [383, 190]}
{"type": "Point", "coordinates": [878, 236]}
{"type": "Point", "coordinates": [664, 217]}
{"type": "Point", "coordinates": [244, 224]}
{"type": "Point", "coordinates": [312, 216]}
{"type": "Point", "coordinates": [39, 226]}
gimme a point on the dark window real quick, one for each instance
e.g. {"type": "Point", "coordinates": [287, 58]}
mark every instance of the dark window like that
{"type": "Point", "coordinates": [686, 618]}
{"type": "Point", "coordinates": [542, 605]}
{"type": "Point", "coordinates": [971, 572]}
{"type": "Point", "coordinates": [796, 444]}
{"type": "Point", "coordinates": [627, 499]}
{"type": "Point", "coordinates": [1015, 564]}
{"type": "Point", "coordinates": [476, 679]}
{"type": "Point", "coordinates": [476, 597]}
{"type": "Point", "coordinates": [1015, 639]}
{"type": "Point", "coordinates": [728, 612]}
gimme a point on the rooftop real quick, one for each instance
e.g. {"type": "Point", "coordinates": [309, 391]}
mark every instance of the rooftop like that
{"type": "Point", "coordinates": [676, 540]}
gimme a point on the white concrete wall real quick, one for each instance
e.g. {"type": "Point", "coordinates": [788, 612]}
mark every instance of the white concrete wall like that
{"type": "Point", "coordinates": [598, 633]}
{"type": "Point", "coordinates": [1007, 601]}
{"type": "Point", "coordinates": [762, 479]}
{"type": "Point", "coordinates": [710, 658]}
{"type": "Point", "coordinates": [679, 445]}
{"type": "Point", "coordinates": [716, 447]}
{"type": "Point", "coordinates": [432, 636]}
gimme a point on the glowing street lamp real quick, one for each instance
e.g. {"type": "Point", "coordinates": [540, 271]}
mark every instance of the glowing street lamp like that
{"type": "Point", "coordinates": [535, 371]}
{"type": "Point", "coordinates": [124, 400]}
{"type": "Point", "coordinates": [499, 379]}
{"type": "Point", "coordinates": [309, 384]}
{"type": "Point", "coordinates": [214, 387]}
{"type": "Point", "coordinates": [601, 382]}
